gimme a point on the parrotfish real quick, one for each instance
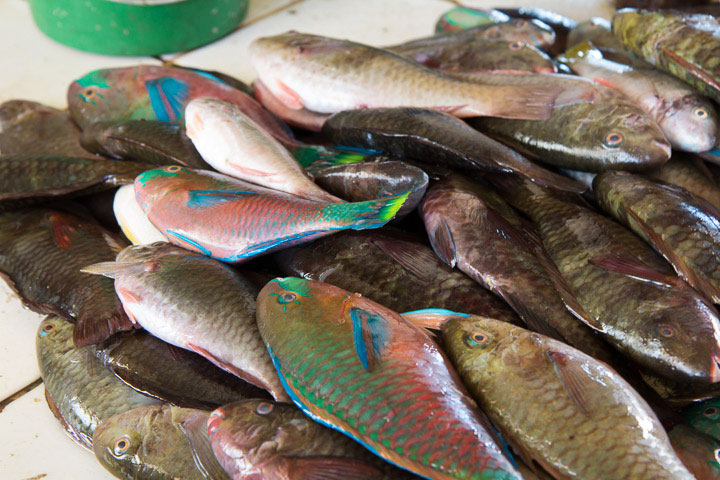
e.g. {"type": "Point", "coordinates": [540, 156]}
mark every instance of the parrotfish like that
{"type": "Point", "coordinates": [690, 173]}
{"type": "Point", "coordinates": [704, 417]}
{"type": "Point", "coordinates": [699, 453]}
{"type": "Point", "coordinates": [461, 18]}
{"type": "Point", "coordinates": [233, 220]}
{"type": "Point", "coordinates": [598, 31]}
{"type": "Point", "coordinates": [560, 24]}
{"type": "Point", "coordinates": [360, 368]}
{"type": "Point", "coordinates": [193, 302]}
{"type": "Point", "coordinates": [327, 75]}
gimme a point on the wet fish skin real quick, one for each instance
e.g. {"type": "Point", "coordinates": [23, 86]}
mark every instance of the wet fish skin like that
{"type": "Point", "coordinates": [435, 137]}
{"type": "Point", "coordinates": [80, 391]}
{"type": "Point", "coordinates": [598, 31]}
{"type": "Point", "coordinates": [147, 92]}
{"type": "Point", "coordinates": [688, 120]}
{"type": "Point", "coordinates": [682, 45]}
{"type": "Point", "coordinates": [592, 128]}
{"type": "Point", "coordinates": [158, 442]}
{"type": "Point", "coordinates": [367, 346]}
{"type": "Point", "coordinates": [560, 24]}
{"type": "Point", "coordinates": [193, 302]}
{"type": "Point", "coordinates": [132, 219]}
{"type": "Point", "coordinates": [400, 274]}
{"type": "Point", "coordinates": [234, 220]}
{"type": "Point", "coordinates": [327, 75]}
{"type": "Point", "coordinates": [681, 227]}
{"type": "Point", "coordinates": [277, 441]}
{"type": "Point", "coordinates": [235, 145]}
{"type": "Point", "coordinates": [28, 127]}
{"type": "Point", "coordinates": [552, 402]}
{"type": "Point", "coordinates": [151, 141]}
{"type": "Point", "coordinates": [698, 452]}
{"type": "Point", "coordinates": [41, 254]}
{"type": "Point", "coordinates": [704, 417]}
{"type": "Point", "coordinates": [631, 294]}
{"type": "Point", "coordinates": [690, 173]}
{"type": "Point", "coordinates": [174, 375]}
{"type": "Point", "coordinates": [461, 18]}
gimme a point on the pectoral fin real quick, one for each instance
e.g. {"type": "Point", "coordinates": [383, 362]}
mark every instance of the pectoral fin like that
{"type": "Point", "coordinates": [442, 242]}
{"type": "Point", "coordinates": [574, 379]}
{"type": "Point", "coordinates": [370, 336]}
{"type": "Point", "coordinates": [195, 430]}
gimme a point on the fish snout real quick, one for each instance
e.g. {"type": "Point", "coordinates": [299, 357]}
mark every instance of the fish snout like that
{"type": "Point", "coordinates": [715, 368]}
{"type": "Point", "coordinates": [214, 421]}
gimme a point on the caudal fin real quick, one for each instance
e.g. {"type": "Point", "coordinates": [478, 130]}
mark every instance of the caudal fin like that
{"type": "Point", "coordinates": [370, 214]}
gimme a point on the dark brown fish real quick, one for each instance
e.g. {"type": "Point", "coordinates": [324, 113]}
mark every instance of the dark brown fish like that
{"type": "Point", "coordinates": [32, 128]}
{"type": "Point", "coordinates": [152, 141]}
{"type": "Point", "coordinates": [560, 24]}
{"type": "Point", "coordinates": [401, 274]}
{"type": "Point", "coordinates": [690, 173]}
{"type": "Point", "coordinates": [41, 254]}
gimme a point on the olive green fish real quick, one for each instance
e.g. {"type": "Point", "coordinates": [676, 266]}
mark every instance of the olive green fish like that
{"type": "Point", "coordinates": [683, 228]}
{"type": "Point", "coordinates": [157, 442]}
{"type": "Point", "coordinates": [172, 374]}
{"type": "Point", "coordinates": [598, 31]}
{"type": "Point", "coordinates": [690, 173]}
{"type": "Point", "coordinates": [699, 453]}
{"type": "Point", "coordinates": [631, 294]}
{"type": "Point", "coordinates": [704, 417]}
{"type": "Point", "coordinates": [560, 408]}
{"type": "Point", "coordinates": [683, 45]}
{"type": "Point", "coordinates": [80, 391]}
{"type": "Point", "coordinates": [277, 441]}
{"type": "Point", "coordinates": [151, 141]}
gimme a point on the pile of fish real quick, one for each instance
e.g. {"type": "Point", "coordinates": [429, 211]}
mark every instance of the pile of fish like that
{"type": "Point", "coordinates": [494, 254]}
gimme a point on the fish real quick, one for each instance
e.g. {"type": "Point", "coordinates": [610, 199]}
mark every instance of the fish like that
{"type": "Point", "coordinates": [632, 296]}
{"type": "Point", "coordinates": [233, 144]}
{"type": "Point", "coordinates": [699, 453]}
{"type": "Point", "coordinates": [461, 18]}
{"type": "Point", "coordinates": [362, 181]}
{"type": "Point", "coordinates": [470, 227]}
{"type": "Point", "coordinates": [398, 273]}
{"type": "Point", "coordinates": [233, 220]}
{"type": "Point", "coordinates": [592, 128]}
{"type": "Point", "coordinates": [688, 120]}
{"type": "Point", "coordinates": [28, 127]}
{"type": "Point", "coordinates": [295, 117]}
{"type": "Point", "coordinates": [356, 366]}
{"type": "Point", "coordinates": [560, 24]}
{"type": "Point", "coordinates": [158, 442]}
{"type": "Point", "coordinates": [681, 227]}
{"type": "Point", "coordinates": [196, 303]}
{"type": "Point", "coordinates": [80, 391]}
{"type": "Point", "coordinates": [598, 32]}
{"type": "Point", "coordinates": [327, 75]}
{"type": "Point", "coordinates": [704, 417]}
{"type": "Point", "coordinates": [462, 54]}
{"type": "Point", "coordinates": [150, 141]}
{"type": "Point", "coordinates": [41, 253]}
{"type": "Point", "coordinates": [174, 375]}
{"type": "Point", "coordinates": [437, 138]}
{"type": "Point", "coordinates": [28, 179]}
{"type": "Point", "coordinates": [690, 173]}
{"type": "Point", "coordinates": [132, 219]}
{"type": "Point", "coordinates": [557, 407]}
{"type": "Point", "coordinates": [680, 44]}
{"type": "Point", "coordinates": [277, 441]}
{"type": "Point", "coordinates": [146, 92]}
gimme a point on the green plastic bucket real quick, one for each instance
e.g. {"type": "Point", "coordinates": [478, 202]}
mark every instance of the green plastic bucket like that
{"type": "Point", "coordinates": [137, 27]}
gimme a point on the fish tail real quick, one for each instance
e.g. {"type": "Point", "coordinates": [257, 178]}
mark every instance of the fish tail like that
{"type": "Point", "coordinates": [370, 214]}
{"type": "Point", "coordinates": [524, 102]}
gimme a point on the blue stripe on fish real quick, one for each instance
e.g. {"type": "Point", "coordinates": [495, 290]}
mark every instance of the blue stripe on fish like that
{"type": "Point", "coordinates": [167, 97]}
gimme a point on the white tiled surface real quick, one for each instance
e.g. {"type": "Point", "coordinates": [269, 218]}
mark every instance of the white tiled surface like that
{"type": "Point", "coordinates": [32, 443]}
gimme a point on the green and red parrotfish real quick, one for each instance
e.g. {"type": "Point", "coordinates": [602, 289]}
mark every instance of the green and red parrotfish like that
{"type": "Point", "coordinates": [558, 407]}
{"type": "Point", "coordinates": [149, 92]}
{"type": "Point", "coordinates": [688, 120]}
{"type": "Point", "coordinates": [360, 368]}
{"type": "Point", "coordinates": [276, 441]}
{"type": "Point", "coordinates": [704, 417]}
{"type": "Point", "coordinates": [462, 18]}
{"type": "Point", "coordinates": [80, 391]}
{"type": "Point", "coordinates": [327, 75]}
{"type": "Point", "coordinates": [686, 46]}
{"type": "Point", "coordinates": [233, 144]}
{"type": "Point", "coordinates": [41, 254]}
{"type": "Point", "coordinates": [193, 302]}
{"type": "Point", "coordinates": [158, 442]}
{"type": "Point", "coordinates": [681, 227]}
{"type": "Point", "coordinates": [233, 220]}
{"type": "Point", "coordinates": [699, 453]}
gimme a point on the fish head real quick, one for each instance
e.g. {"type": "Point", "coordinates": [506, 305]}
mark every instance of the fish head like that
{"type": "Point", "coordinates": [704, 416]}
{"type": "Point", "coordinates": [286, 297]}
{"type": "Point", "coordinates": [532, 32]}
{"type": "Point", "coordinates": [99, 95]}
{"type": "Point", "coordinates": [155, 184]}
{"type": "Point", "coordinates": [461, 18]}
{"type": "Point", "coordinates": [693, 125]}
{"type": "Point", "coordinates": [54, 336]}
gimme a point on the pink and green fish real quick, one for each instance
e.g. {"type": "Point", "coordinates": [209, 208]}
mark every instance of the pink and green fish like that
{"type": "Point", "coordinates": [232, 220]}
{"type": "Point", "coordinates": [362, 369]}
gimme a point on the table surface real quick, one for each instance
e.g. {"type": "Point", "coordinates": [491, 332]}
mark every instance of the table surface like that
{"type": "Point", "coordinates": [32, 443]}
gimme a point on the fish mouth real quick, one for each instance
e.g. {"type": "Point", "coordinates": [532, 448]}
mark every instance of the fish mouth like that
{"type": "Point", "coordinates": [214, 421]}
{"type": "Point", "coordinates": [661, 150]}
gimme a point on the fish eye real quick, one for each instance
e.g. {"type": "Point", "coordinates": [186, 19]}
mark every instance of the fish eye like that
{"type": "Point", "coordinates": [515, 46]}
{"type": "Point", "coordinates": [710, 411]}
{"type": "Point", "coordinates": [287, 297]}
{"type": "Point", "coordinates": [173, 169]}
{"type": "Point", "coordinates": [88, 93]}
{"type": "Point", "coordinates": [613, 139]}
{"type": "Point", "coordinates": [47, 329]}
{"type": "Point", "coordinates": [700, 112]}
{"type": "Point", "coordinates": [121, 446]}
{"type": "Point", "coordinates": [264, 408]}
{"type": "Point", "coordinates": [717, 455]}
{"type": "Point", "coordinates": [157, 244]}
{"type": "Point", "coordinates": [666, 331]}
{"type": "Point", "coordinates": [477, 339]}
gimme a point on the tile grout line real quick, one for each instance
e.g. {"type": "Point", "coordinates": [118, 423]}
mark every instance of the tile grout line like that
{"type": "Point", "coordinates": [272, 12]}
{"type": "Point", "coordinates": [7, 401]}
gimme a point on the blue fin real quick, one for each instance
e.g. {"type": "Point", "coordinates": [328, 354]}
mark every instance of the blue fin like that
{"type": "Point", "coordinates": [208, 198]}
{"type": "Point", "coordinates": [264, 246]}
{"type": "Point", "coordinates": [187, 240]}
{"type": "Point", "coordinates": [167, 97]}
{"type": "Point", "coordinates": [370, 336]}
